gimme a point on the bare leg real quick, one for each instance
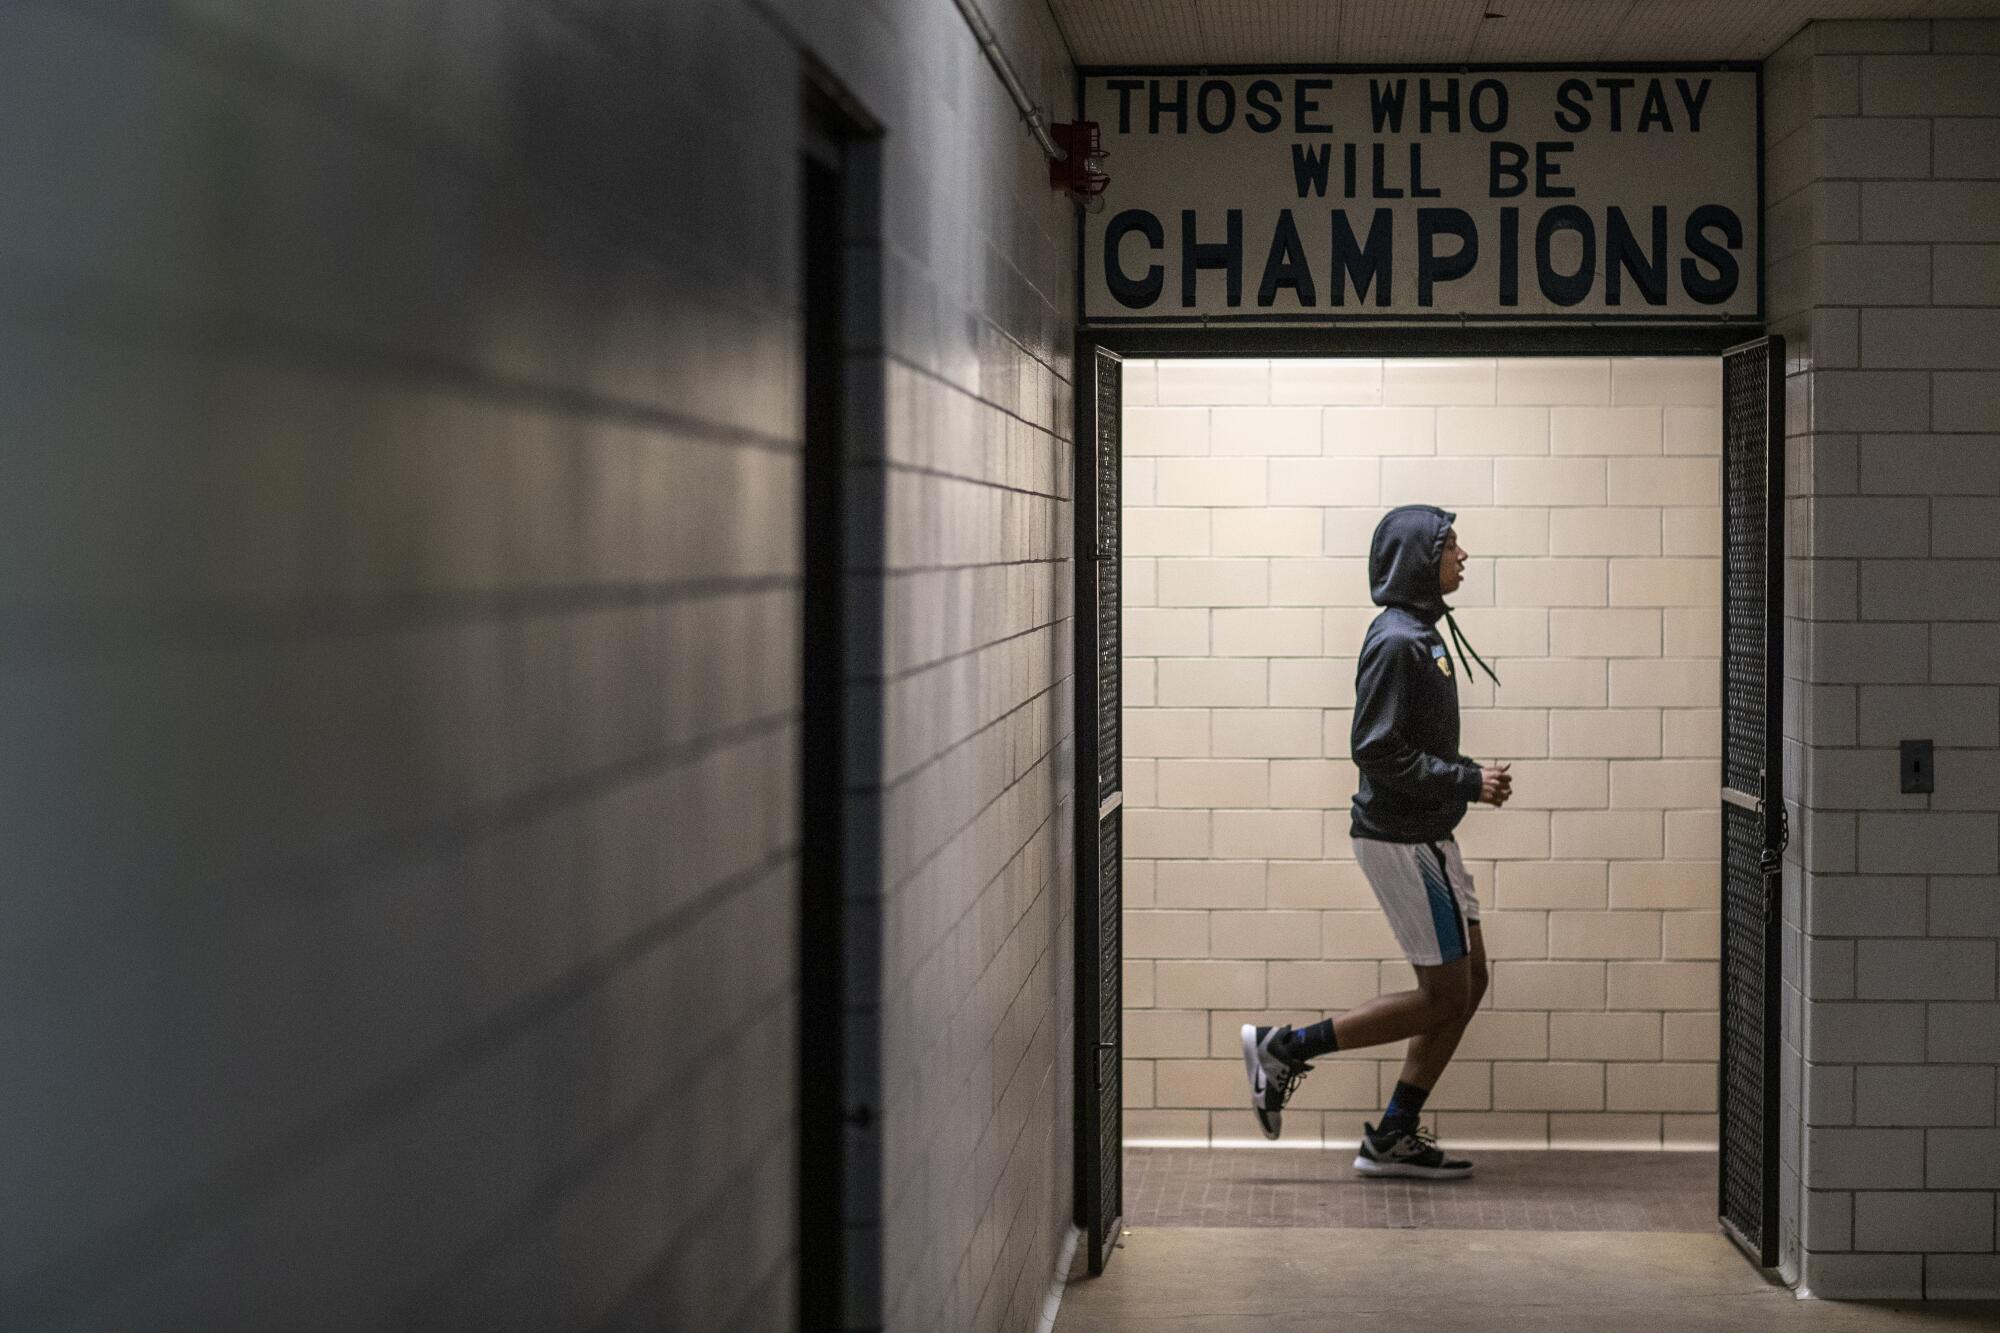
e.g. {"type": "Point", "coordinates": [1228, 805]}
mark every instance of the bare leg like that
{"type": "Point", "coordinates": [1431, 1051]}
{"type": "Point", "coordinates": [1441, 1000]}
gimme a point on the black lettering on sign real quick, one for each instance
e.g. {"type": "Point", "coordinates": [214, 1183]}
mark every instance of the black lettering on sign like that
{"type": "Point", "coordinates": [1309, 164]}
{"type": "Point", "coordinates": [1226, 254]}
{"type": "Point", "coordinates": [1622, 255]}
{"type": "Point", "coordinates": [1507, 176]}
{"type": "Point", "coordinates": [1692, 99]}
{"type": "Point", "coordinates": [1433, 267]}
{"type": "Point", "coordinates": [1565, 289]}
{"type": "Point", "coordinates": [1381, 187]}
{"type": "Point", "coordinates": [1133, 293]}
{"type": "Point", "coordinates": [1363, 264]}
{"type": "Point", "coordinates": [1124, 88]}
{"type": "Point", "coordinates": [1573, 106]}
{"type": "Point", "coordinates": [1546, 171]}
{"type": "Point", "coordinates": [1286, 266]}
{"type": "Point", "coordinates": [1385, 104]}
{"type": "Point", "coordinates": [1617, 87]}
{"type": "Point", "coordinates": [1653, 111]}
{"type": "Point", "coordinates": [1304, 105]}
{"type": "Point", "coordinates": [1260, 107]}
{"type": "Point", "coordinates": [1446, 105]}
{"type": "Point", "coordinates": [1719, 288]}
{"type": "Point", "coordinates": [1417, 190]}
{"type": "Point", "coordinates": [1204, 102]}
{"type": "Point", "coordinates": [1494, 119]}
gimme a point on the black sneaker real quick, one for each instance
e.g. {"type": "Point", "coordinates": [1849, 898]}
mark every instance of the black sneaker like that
{"type": "Point", "coordinates": [1272, 1077]}
{"type": "Point", "coordinates": [1407, 1152]}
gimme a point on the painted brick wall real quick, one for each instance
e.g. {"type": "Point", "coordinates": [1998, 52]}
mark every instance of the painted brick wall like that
{"type": "Point", "coordinates": [398, 664]}
{"type": "Point", "coordinates": [1884, 174]}
{"type": "Point", "coordinates": [1587, 491]}
{"type": "Point", "coordinates": [976, 771]}
{"type": "Point", "coordinates": [1788, 233]}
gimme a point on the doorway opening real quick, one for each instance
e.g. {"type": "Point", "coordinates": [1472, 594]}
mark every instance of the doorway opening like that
{"type": "Point", "coordinates": [840, 715]}
{"type": "Point", "coordinates": [1591, 491]}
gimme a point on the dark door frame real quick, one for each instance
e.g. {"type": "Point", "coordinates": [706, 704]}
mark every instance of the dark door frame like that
{"type": "Point", "coordinates": [837, 1046]}
{"type": "Point", "coordinates": [1710, 338]}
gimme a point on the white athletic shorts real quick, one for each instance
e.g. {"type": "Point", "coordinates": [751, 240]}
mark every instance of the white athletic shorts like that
{"type": "Point", "coordinates": [1428, 895]}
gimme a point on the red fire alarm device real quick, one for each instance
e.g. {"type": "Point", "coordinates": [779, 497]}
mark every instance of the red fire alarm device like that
{"type": "Point", "coordinates": [1079, 173]}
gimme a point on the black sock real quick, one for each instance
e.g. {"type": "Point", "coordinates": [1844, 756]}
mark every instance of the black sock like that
{"type": "Point", "coordinates": [1308, 1042]}
{"type": "Point", "coordinates": [1406, 1103]}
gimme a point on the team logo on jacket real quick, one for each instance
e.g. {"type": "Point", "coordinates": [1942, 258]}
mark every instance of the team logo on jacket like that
{"type": "Point", "coordinates": [1439, 656]}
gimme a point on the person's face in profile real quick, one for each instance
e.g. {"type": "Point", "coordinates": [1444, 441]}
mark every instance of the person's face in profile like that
{"type": "Point", "coordinates": [1451, 568]}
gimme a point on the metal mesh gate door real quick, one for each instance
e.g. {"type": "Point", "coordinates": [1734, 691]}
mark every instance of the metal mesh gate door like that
{"type": "Point", "coordinates": [1753, 811]}
{"type": "Point", "coordinates": [1099, 795]}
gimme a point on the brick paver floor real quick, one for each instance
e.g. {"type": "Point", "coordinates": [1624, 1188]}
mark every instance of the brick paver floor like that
{"type": "Point", "coordinates": [1510, 1191]}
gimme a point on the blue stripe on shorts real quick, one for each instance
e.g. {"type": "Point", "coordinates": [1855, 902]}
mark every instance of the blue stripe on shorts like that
{"type": "Point", "coordinates": [1444, 911]}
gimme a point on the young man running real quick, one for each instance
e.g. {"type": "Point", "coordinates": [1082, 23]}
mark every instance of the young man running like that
{"type": "Point", "coordinates": [1415, 786]}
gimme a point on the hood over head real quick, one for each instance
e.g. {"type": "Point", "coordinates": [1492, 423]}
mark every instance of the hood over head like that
{"type": "Point", "coordinates": [1405, 557]}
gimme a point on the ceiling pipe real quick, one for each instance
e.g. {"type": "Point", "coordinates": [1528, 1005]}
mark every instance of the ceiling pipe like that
{"type": "Point", "coordinates": [989, 46]}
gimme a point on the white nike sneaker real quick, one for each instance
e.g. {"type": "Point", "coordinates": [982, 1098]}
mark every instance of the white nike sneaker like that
{"type": "Point", "coordinates": [1272, 1078]}
{"type": "Point", "coordinates": [1407, 1152]}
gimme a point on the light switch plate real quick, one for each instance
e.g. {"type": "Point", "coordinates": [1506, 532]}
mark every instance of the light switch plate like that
{"type": "Point", "coordinates": [1919, 777]}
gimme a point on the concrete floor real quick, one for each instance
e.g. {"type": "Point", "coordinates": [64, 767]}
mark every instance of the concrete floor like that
{"type": "Point", "coordinates": [1193, 1279]}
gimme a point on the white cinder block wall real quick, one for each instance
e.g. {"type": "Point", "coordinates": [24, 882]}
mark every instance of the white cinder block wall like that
{"type": "Point", "coordinates": [1883, 179]}
{"type": "Point", "coordinates": [1587, 490]}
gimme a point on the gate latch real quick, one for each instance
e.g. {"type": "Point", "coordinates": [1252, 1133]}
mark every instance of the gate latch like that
{"type": "Point", "coordinates": [1772, 862]}
{"type": "Point", "coordinates": [1774, 852]}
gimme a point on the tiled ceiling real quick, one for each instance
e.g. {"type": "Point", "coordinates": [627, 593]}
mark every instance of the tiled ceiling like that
{"type": "Point", "coordinates": [1372, 32]}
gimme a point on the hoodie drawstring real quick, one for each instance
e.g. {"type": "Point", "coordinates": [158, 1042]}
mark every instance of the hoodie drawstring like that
{"type": "Point", "coordinates": [1466, 648]}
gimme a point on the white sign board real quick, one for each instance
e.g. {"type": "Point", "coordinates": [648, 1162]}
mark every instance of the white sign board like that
{"type": "Point", "coordinates": [1480, 195]}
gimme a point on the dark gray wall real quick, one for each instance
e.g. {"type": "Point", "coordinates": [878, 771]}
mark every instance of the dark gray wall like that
{"type": "Point", "coordinates": [398, 650]}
